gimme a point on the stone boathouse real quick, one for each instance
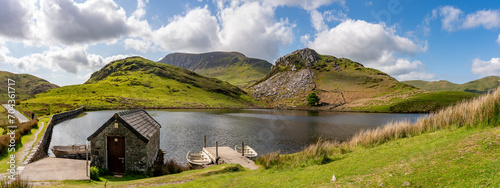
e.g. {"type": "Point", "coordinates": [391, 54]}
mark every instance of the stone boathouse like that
{"type": "Point", "coordinates": [127, 141]}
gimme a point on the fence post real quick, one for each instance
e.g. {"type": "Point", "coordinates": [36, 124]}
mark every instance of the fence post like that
{"type": "Point", "coordinates": [205, 141]}
{"type": "Point", "coordinates": [243, 149]}
{"type": "Point", "coordinates": [216, 152]}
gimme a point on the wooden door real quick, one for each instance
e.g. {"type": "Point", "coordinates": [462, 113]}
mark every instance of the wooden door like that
{"type": "Point", "coordinates": [116, 154]}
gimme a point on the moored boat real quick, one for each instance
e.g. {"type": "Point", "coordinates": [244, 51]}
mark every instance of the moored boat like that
{"type": "Point", "coordinates": [73, 151]}
{"type": "Point", "coordinates": [198, 159]}
{"type": "Point", "coordinates": [249, 152]}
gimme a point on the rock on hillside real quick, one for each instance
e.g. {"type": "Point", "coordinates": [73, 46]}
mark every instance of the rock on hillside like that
{"type": "Point", "coordinates": [337, 81]}
{"type": "Point", "coordinates": [232, 67]}
{"type": "Point", "coordinates": [286, 80]}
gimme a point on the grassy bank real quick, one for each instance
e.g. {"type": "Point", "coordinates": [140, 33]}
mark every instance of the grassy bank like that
{"type": "Point", "coordinates": [458, 146]}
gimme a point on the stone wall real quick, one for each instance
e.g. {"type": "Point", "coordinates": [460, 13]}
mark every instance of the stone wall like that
{"type": "Point", "coordinates": [152, 148]}
{"type": "Point", "coordinates": [41, 149]}
{"type": "Point", "coordinates": [136, 155]}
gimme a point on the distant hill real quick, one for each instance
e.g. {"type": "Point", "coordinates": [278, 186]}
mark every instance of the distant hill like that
{"type": "Point", "coordinates": [343, 85]}
{"type": "Point", "coordinates": [137, 82]}
{"type": "Point", "coordinates": [26, 85]}
{"type": "Point", "coordinates": [482, 85]}
{"type": "Point", "coordinates": [233, 67]}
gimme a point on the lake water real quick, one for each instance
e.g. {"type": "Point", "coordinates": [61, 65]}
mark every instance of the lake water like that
{"type": "Point", "coordinates": [264, 130]}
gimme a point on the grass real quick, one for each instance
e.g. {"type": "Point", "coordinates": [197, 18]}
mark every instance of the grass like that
{"type": "Point", "coordinates": [137, 82]}
{"type": "Point", "coordinates": [457, 147]}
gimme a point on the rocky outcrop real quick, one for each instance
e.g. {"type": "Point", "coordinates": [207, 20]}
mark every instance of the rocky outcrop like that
{"type": "Point", "coordinates": [289, 78]}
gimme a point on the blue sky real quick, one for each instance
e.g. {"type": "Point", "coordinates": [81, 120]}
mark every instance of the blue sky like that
{"type": "Point", "coordinates": [64, 41]}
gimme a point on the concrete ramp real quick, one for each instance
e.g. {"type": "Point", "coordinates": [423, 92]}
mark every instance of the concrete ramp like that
{"type": "Point", "coordinates": [228, 155]}
{"type": "Point", "coordinates": [52, 168]}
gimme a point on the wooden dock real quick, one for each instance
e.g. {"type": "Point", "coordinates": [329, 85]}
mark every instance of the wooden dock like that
{"type": "Point", "coordinates": [228, 155]}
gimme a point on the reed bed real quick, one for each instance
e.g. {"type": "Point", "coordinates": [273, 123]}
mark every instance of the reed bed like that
{"type": "Point", "coordinates": [481, 111]}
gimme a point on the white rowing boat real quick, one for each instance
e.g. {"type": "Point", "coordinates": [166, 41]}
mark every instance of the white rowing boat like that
{"type": "Point", "coordinates": [198, 159]}
{"type": "Point", "coordinates": [248, 152]}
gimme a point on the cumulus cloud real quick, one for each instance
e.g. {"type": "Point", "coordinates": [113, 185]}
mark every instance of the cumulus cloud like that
{"type": "Point", "coordinates": [139, 45]}
{"type": "Point", "coordinates": [454, 19]}
{"type": "Point", "coordinates": [486, 68]}
{"type": "Point", "coordinates": [374, 45]}
{"type": "Point", "coordinates": [252, 29]}
{"type": "Point", "coordinates": [14, 16]}
{"type": "Point", "coordinates": [194, 32]}
{"type": "Point", "coordinates": [449, 17]}
{"type": "Point", "coordinates": [486, 18]}
{"type": "Point", "coordinates": [247, 27]}
{"type": "Point", "coordinates": [69, 59]}
{"type": "Point", "coordinates": [92, 21]}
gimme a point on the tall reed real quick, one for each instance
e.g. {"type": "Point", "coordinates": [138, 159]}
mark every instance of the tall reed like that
{"type": "Point", "coordinates": [483, 110]}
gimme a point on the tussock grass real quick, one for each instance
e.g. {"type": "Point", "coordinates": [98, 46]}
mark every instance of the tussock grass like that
{"type": "Point", "coordinates": [16, 183]}
{"type": "Point", "coordinates": [480, 111]}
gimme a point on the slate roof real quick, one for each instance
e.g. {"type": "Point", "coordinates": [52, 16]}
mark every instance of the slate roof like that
{"type": "Point", "coordinates": [137, 120]}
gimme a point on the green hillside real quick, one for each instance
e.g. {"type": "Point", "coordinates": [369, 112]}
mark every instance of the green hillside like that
{"type": "Point", "coordinates": [26, 85]}
{"type": "Point", "coordinates": [482, 85]}
{"type": "Point", "coordinates": [233, 67]}
{"type": "Point", "coordinates": [138, 82]}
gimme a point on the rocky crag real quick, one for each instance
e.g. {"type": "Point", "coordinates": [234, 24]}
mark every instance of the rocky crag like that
{"type": "Point", "coordinates": [337, 81]}
{"type": "Point", "coordinates": [289, 78]}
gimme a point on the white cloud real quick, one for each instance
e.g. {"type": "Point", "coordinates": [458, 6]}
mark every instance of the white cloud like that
{"type": "Point", "coordinates": [453, 19]}
{"type": "Point", "coordinates": [486, 68]}
{"type": "Point", "coordinates": [317, 21]}
{"type": "Point", "coordinates": [487, 18]}
{"type": "Point", "coordinates": [139, 45]}
{"type": "Point", "coordinates": [374, 45]}
{"type": "Point", "coordinates": [307, 5]}
{"type": "Point", "coordinates": [247, 27]}
{"type": "Point", "coordinates": [69, 59]}
{"type": "Point", "coordinates": [450, 17]}
{"type": "Point", "coordinates": [194, 32]}
{"type": "Point", "coordinates": [14, 16]}
{"type": "Point", "coordinates": [88, 22]}
{"type": "Point", "coordinates": [498, 39]}
{"type": "Point", "coordinates": [251, 28]}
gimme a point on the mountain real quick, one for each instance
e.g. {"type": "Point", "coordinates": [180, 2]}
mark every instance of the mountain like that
{"type": "Point", "coordinates": [482, 85]}
{"type": "Point", "coordinates": [137, 82]}
{"type": "Point", "coordinates": [233, 67]}
{"type": "Point", "coordinates": [343, 85]}
{"type": "Point", "coordinates": [301, 72]}
{"type": "Point", "coordinates": [26, 85]}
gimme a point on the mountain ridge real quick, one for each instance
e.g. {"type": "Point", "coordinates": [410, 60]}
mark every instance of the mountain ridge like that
{"type": "Point", "coordinates": [481, 85]}
{"type": "Point", "coordinates": [233, 67]}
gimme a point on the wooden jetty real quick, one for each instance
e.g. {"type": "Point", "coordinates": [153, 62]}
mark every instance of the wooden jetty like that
{"type": "Point", "coordinates": [228, 155]}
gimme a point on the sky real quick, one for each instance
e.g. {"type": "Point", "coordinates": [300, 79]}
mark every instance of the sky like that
{"type": "Point", "coordinates": [65, 41]}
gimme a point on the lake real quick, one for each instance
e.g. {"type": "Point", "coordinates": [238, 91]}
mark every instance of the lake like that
{"type": "Point", "coordinates": [265, 130]}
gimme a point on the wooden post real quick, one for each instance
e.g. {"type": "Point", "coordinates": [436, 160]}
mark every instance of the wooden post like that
{"type": "Point", "coordinates": [205, 141]}
{"type": "Point", "coordinates": [86, 158]}
{"type": "Point", "coordinates": [216, 152]}
{"type": "Point", "coordinates": [243, 149]}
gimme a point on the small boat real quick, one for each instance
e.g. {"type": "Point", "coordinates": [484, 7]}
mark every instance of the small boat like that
{"type": "Point", "coordinates": [73, 152]}
{"type": "Point", "coordinates": [198, 159]}
{"type": "Point", "coordinates": [249, 152]}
